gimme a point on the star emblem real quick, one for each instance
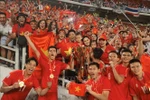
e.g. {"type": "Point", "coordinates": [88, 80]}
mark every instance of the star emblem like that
{"type": "Point", "coordinates": [45, 52]}
{"type": "Point", "coordinates": [68, 52]}
{"type": "Point", "coordinates": [77, 89]}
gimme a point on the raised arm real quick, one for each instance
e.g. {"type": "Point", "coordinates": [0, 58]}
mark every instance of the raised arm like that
{"type": "Point", "coordinates": [27, 34]}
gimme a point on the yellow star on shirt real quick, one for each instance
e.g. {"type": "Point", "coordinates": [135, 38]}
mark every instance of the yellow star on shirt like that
{"type": "Point", "coordinates": [68, 52]}
{"type": "Point", "coordinates": [77, 89]}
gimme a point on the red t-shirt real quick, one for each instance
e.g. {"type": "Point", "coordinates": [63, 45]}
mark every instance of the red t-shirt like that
{"type": "Point", "coordinates": [137, 86]}
{"type": "Point", "coordinates": [102, 84]}
{"type": "Point", "coordinates": [116, 88]}
{"type": "Point", "coordinates": [21, 30]}
{"type": "Point", "coordinates": [55, 67]}
{"type": "Point", "coordinates": [104, 56]}
{"type": "Point", "coordinates": [20, 93]}
{"type": "Point", "coordinates": [126, 84]}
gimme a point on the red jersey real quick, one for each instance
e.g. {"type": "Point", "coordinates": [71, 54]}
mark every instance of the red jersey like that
{"type": "Point", "coordinates": [55, 67]}
{"type": "Point", "coordinates": [137, 86]}
{"type": "Point", "coordinates": [16, 29]}
{"type": "Point", "coordinates": [20, 93]}
{"type": "Point", "coordinates": [104, 56]}
{"type": "Point", "coordinates": [126, 84]}
{"type": "Point", "coordinates": [116, 88]}
{"type": "Point", "coordinates": [98, 86]}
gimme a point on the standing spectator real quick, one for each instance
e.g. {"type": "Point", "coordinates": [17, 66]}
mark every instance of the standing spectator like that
{"type": "Point", "coordinates": [51, 69]}
{"type": "Point", "coordinates": [5, 31]}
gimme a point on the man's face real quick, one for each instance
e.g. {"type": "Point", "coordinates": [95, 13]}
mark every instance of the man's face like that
{"type": "Point", "coordinates": [21, 20]}
{"type": "Point", "coordinates": [136, 68]}
{"type": "Point", "coordinates": [113, 57]}
{"type": "Point", "coordinates": [52, 53]}
{"type": "Point", "coordinates": [72, 36]}
{"type": "Point", "coordinates": [30, 66]}
{"type": "Point", "coordinates": [93, 71]}
{"type": "Point", "coordinates": [126, 57]}
{"type": "Point", "coordinates": [33, 25]}
{"type": "Point", "coordinates": [102, 43]}
{"type": "Point", "coordinates": [2, 5]}
{"type": "Point", "coordinates": [2, 19]}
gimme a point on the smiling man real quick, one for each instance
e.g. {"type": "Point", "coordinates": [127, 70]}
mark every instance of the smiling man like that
{"type": "Point", "coordinates": [18, 83]}
{"type": "Point", "coordinates": [98, 86]}
{"type": "Point", "coordinates": [140, 83]}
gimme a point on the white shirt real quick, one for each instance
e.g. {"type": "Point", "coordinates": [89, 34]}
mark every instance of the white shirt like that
{"type": "Point", "coordinates": [6, 29]}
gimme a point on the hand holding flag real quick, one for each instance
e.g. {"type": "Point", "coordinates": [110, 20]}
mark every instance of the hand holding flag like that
{"type": "Point", "coordinates": [77, 89]}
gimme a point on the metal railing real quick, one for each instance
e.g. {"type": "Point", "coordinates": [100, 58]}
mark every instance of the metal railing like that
{"type": "Point", "coordinates": [16, 58]}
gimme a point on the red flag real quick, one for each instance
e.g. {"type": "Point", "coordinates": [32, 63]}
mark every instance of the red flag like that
{"type": "Point", "coordinates": [145, 65]}
{"type": "Point", "coordinates": [77, 89]}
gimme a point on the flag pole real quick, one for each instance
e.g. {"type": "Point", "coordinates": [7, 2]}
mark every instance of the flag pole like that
{"type": "Point", "coordinates": [124, 15]}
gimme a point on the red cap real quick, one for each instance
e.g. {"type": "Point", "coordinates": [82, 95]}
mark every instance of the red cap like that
{"type": "Point", "coordinates": [103, 36]}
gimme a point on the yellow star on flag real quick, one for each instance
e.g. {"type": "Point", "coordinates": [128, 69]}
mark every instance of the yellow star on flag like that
{"type": "Point", "coordinates": [77, 89]}
{"type": "Point", "coordinates": [45, 52]}
{"type": "Point", "coordinates": [68, 52]}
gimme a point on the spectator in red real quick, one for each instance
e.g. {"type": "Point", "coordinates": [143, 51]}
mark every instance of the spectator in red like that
{"type": "Point", "coordinates": [3, 8]}
{"type": "Point", "coordinates": [98, 86]}
{"type": "Point", "coordinates": [18, 83]}
{"type": "Point", "coordinates": [139, 84]}
{"type": "Point", "coordinates": [105, 47]}
{"type": "Point", "coordinates": [21, 27]}
{"type": "Point", "coordinates": [51, 69]}
{"type": "Point", "coordinates": [42, 27]}
{"type": "Point", "coordinates": [33, 25]}
{"type": "Point", "coordinates": [116, 73]}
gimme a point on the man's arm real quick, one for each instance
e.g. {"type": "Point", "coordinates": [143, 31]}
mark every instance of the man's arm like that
{"type": "Point", "coordinates": [103, 96]}
{"type": "Point", "coordinates": [118, 78]}
{"type": "Point", "coordinates": [6, 88]}
{"type": "Point", "coordinates": [27, 34]}
{"type": "Point", "coordinates": [42, 92]}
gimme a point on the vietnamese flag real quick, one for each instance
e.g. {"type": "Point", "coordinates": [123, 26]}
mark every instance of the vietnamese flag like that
{"type": "Point", "coordinates": [42, 42]}
{"type": "Point", "coordinates": [145, 65]}
{"type": "Point", "coordinates": [77, 89]}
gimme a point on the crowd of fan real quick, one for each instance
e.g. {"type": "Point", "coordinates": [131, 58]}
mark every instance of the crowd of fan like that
{"type": "Point", "coordinates": [92, 37]}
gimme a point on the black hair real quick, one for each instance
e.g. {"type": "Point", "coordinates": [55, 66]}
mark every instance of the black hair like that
{"type": "Point", "coordinates": [61, 30]}
{"type": "Point", "coordinates": [121, 49]}
{"type": "Point", "coordinates": [3, 1]}
{"type": "Point", "coordinates": [2, 13]}
{"type": "Point", "coordinates": [50, 26]}
{"type": "Point", "coordinates": [70, 32]}
{"type": "Point", "coordinates": [85, 37]}
{"type": "Point", "coordinates": [52, 47]}
{"type": "Point", "coordinates": [127, 50]}
{"type": "Point", "coordinates": [94, 63]}
{"type": "Point", "coordinates": [134, 60]}
{"type": "Point", "coordinates": [33, 21]}
{"type": "Point", "coordinates": [31, 59]}
{"type": "Point", "coordinates": [97, 53]}
{"type": "Point", "coordinates": [78, 33]}
{"type": "Point", "coordinates": [38, 25]}
{"type": "Point", "coordinates": [118, 55]}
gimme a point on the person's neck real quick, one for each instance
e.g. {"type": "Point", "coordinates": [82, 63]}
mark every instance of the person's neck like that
{"type": "Point", "coordinates": [95, 79]}
{"type": "Point", "coordinates": [140, 76]}
{"type": "Point", "coordinates": [51, 59]}
{"type": "Point", "coordinates": [125, 64]}
{"type": "Point", "coordinates": [26, 75]}
{"type": "Point", "coordinates": [103, 48]}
